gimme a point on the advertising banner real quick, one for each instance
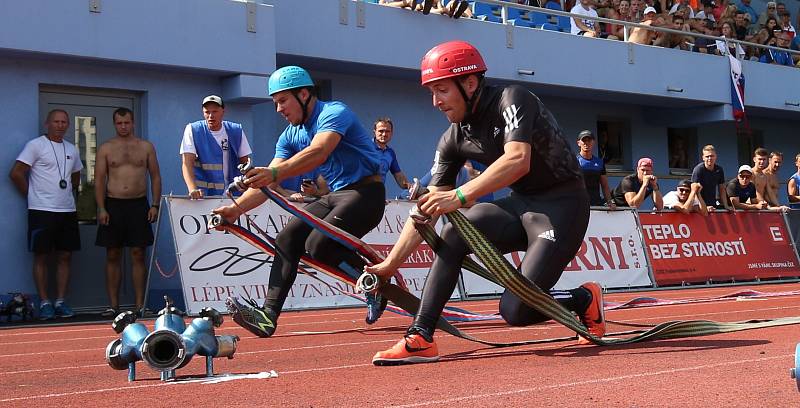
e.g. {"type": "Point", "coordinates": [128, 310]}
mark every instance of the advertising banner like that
{"type": "Point", "coordinates": [721, 247]}
{"type": "Point", "coordinates": [215, 265]}
{"type": "Point", "coordinates": [611, 254]}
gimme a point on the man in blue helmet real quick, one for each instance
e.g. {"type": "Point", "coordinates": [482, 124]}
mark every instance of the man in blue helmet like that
{"type": "Point", "coordinates": [320, 134]}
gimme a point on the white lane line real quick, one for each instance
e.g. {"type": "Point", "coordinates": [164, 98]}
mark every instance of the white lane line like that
{"type": "Point", "coordinates": [476, 332]}
{"type": "Point", "coordinates": [432, 402]}
{"type": "Point", "coordinates": [450, 401]}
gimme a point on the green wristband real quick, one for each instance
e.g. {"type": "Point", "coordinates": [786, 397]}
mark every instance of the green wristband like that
{"type": "Point", "coordinates": [460, 196]}
{"type": "Point", "coordinates": [274, 173]}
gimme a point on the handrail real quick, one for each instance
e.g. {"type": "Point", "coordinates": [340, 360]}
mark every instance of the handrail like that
{"type": "Point", "coordinates": [504, 14]}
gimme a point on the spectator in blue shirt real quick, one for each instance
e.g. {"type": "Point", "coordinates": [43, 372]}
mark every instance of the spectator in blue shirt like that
{"type": "Point", "coordinates": [594, 171]}
{"type": "Point", "coordinates": [778, 57]}
{"type": "Point", "coordinates": [384, 130]}
{"type": "Point", "coordinates": [745, 7]}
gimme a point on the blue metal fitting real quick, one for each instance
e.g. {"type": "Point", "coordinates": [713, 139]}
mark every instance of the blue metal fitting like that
{"type": "Point", "coordinates": [171, 344]}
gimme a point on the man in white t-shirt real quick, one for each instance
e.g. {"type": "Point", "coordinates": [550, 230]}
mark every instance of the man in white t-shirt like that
{"type": "Point", "coordinates": [684, 198]}
{"type": "Point", "coordinates": [587, 27]}
{"type": "Point", "coordinates": [211, 149]}
{"type": "Point", "coordinates": [47, 172]}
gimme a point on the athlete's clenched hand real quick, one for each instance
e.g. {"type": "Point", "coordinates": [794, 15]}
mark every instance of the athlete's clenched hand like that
{"type": "Point", "coordinates": [439, 202]}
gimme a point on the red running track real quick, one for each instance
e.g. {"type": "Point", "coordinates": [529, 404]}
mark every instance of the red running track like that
{"type": "Point", "coordinates": [64, 366]}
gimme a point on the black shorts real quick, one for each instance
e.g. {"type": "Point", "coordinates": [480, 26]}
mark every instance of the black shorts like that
{"type": "Point", "coordinates": [48, 231]}
{"type": "Point", "coordinates": [127, 225]}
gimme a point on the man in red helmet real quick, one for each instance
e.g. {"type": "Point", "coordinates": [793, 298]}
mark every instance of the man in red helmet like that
{"type": "Point", "coordinates": [509, 129]}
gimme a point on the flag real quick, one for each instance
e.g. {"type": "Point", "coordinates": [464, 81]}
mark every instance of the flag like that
{"type": "Point", "coordinates": [737, 88]}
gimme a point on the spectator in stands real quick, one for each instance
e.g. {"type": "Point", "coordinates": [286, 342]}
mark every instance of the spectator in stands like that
{"type": "Point", "coordinates": [643, 35]}
{"type": "Point", "coordinates": [587, 27]}
{"type": "Point", "coordinates": [677, 4]}
{"type": "Point", "coordinates": [383, 130]}
{"type": "Point", "coordinates": [48, 172]}
{"type": "Point", "coordinates": [622, 13]}
{"type": "Point", "coordinates": [711, 176]}
{"type": "Point", "coordinates": [409, 4]}
{"type": "Point", "coordinates": [787, 27]}
{"type": "Point", "coordinates": [637, 6]}
{"type": "Point", "coordinates": [766, 33]}
{"type": "Point", "coordinates": [745, 7]}
{"type": "Point", "coordinates": [771, 173]}
{"type": "Point", "coordinates": [724, 47]}
{"type": "Point", "coordinates": [770, 11]}
{"type": "Point", "coordinates": [760, 163]}
{"type": "Point", "coordinates": [698, 23]}
{"type": "Point", "coordinates": [594, 171]}
{"type": "Point", "coordinates": [211, 149]}
{"type": "Point", "coordinates": [634, 188]}
{"type": "Point", "coordinates": [742, 192]}
{"type": "Point", "coordinates": [669, 40]}
{"type": "Point", "coordinates": [778, 57]}
{"type": "Point", "coordinates": [705, 45]}
{"type": "Point", "coordinates": [719, 9]}
{"type": "Point", "coordinates": [740, 26]}
{"type": "Point", "coordinates": [124, 165]}
{"type": "Point", "coordinates": [684, 198]}
{"type": "Point", "coordinates": [729, 14]}
{"type": "Point", "coordinates": [454, 9]}
{"type": "Point", "coordinates": [780, 8]}
{"type": "Point", "coordinates": [793, 185]}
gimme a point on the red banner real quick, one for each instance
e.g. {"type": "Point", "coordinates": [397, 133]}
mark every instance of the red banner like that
{"type": "Point", "coordinates": [722, 247]}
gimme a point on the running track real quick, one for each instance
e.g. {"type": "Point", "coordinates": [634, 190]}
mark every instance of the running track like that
{"type": "Point", "coordinates": [64, 366]}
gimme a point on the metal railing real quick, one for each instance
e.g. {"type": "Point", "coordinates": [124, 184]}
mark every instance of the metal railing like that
{"type": "Point", "coordinates": [504, 6]}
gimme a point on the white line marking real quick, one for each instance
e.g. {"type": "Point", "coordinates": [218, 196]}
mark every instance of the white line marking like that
{"type": "Point", "coordinates": [450, 401]}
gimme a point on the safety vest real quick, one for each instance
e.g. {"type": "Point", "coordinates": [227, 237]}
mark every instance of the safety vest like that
{"type": "Point", "coordinates": [208, 172]}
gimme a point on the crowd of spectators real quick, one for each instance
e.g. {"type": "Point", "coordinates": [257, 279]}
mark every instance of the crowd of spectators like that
{"type": "Point", "coordinates": [725, 19]}
{"type": "Point", "coordinates": [755, 187]}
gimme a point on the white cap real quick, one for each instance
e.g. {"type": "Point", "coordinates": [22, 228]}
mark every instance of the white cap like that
{"type": "Point", "coordinates": [213, 98]}
{"type": "Point", "coordinates": [649, 10]}
{"type": "Point", "coordinates": [746, 168]}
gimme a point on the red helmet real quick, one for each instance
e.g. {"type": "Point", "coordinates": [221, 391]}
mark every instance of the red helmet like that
{"type": "Point", "coordinates": [451, 59]}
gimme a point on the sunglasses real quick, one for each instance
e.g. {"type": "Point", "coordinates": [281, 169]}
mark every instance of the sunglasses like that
{"type": "Point", "coordinates": [745, 176]}
{"type": "Point", "coordinates": [683, 190]}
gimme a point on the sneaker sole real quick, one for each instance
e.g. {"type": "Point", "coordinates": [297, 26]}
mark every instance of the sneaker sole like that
{"type": "Point", "coordinates": [404, 361]}
{"type": "Point", "coordinates": [240, 320]}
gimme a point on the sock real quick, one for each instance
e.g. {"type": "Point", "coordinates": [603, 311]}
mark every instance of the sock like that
{"type": "Point", "coordinates": [44, 302]}
{"type": "Point", "coordinates": [59, 301]}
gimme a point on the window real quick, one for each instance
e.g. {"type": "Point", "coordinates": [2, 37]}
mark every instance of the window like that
{"type": "Point", "coordinates": [86, 143]}
{"type": "Point", "coordinates": [613, 138]}
{"type": "Point", "coordinates": [680, 142]}
{"type": "Point", "coordinates": [747, 141]}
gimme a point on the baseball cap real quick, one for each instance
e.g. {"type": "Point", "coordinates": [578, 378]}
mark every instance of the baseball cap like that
{"type": "Point", "coordinates": [685, 183]}
{"type": "Point", "coordinates": [215, 99]}
{"type": "Point", "coordinates": [644, 161]}
{"type": "Point", "coordinates": [649, 10]}
{"type": "Point", "coordinates": [746, 168]}
{"type": "Point", "coordinates": [584, 134]}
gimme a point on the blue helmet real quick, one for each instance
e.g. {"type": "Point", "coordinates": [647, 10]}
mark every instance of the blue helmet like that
{"type": "Point", "coordinates": [289, 77]}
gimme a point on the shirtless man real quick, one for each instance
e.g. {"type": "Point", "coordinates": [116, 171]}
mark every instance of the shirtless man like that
{"type": "Point", "coordinates": [643, 35]}
{"type": "Point", "coordinates": [771, 172]}
{"type": "Point", "coordinates": [123, 212]}
{"type": "Point", "coordinates": [760, 162]}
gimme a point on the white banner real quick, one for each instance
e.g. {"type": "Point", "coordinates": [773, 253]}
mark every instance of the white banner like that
{"type": "Point", "coordinates": [611, 254]}
{"type": "Point", "coordinates": [216, 265]}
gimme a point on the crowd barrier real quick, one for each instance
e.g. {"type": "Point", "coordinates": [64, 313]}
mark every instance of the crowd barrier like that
{"type": "Point", "coordinates": [622, 249]}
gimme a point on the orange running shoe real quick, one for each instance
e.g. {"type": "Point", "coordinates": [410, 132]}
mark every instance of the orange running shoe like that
{"type": "Point", "coordinates": [411, 349]}
{"type": "Point", "coordinates": [594, 316]}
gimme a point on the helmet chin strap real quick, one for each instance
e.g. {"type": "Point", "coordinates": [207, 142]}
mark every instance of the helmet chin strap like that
{"type": "Point", "coordinates": [304, 105]}
{"type": "Point", "coordinates": [470, 101]}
